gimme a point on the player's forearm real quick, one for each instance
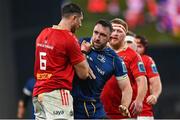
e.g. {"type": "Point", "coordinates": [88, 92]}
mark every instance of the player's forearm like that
{"type": "Point", "coordinates": [82, 69]}
{"type": "Point", "coordinates": [126, 96]}
{"type": "Point", "coordinates": [142, 88]}
{"type": "Point", "coordinates": [125, 86]}
{"type": "Point", "coordinates": [156, 87]}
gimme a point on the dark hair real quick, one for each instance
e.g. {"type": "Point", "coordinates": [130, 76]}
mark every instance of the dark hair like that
{"type": "Point", "coordinates": [142, 41]}
{"type": "Point", "coordinates": [105, 23]}
{"type": "Point", "coordinates": [69, 9]}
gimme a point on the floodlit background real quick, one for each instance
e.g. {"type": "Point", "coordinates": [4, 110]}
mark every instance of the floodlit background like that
{"type": "Point", "coordinates": [22, 20]}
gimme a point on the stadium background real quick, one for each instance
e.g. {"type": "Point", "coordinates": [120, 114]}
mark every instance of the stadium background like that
{"type": "Point", "coordinates": [20, 23]}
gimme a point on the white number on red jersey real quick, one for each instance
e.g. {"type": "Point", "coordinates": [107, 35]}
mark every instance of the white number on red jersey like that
{"type": "Point", "coordinates": [42, 61]}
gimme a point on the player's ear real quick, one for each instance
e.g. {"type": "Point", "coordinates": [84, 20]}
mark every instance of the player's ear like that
{"type": "Point", "coordinates": [74, 17]}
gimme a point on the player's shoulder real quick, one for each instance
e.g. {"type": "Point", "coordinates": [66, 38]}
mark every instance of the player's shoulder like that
{"type": "Point", "coordinates": [87, 39]}
{"type": "Point", "coordinates": [147, 58]}
{"type": "Point", "coordinates": [131, 52]}
{"type": "Point", "coordinates": [111, 51]}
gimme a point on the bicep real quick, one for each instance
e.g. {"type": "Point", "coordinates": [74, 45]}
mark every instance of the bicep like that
{"type": "Point", "coordinates": [123, 82]}
{"type": "Point", "coordinates": [155, 81]}
{"type": "Point", "coordinates": [141, 79]}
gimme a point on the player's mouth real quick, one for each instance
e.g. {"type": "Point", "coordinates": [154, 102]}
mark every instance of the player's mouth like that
{"type": "Point", "coordinates": [112, 37]}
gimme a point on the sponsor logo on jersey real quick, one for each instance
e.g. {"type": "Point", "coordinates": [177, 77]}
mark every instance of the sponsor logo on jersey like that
{"type": "Point", "coordinates": [45, 46]}
{"type": "Point", "coordinates": [101, 58]}
{"type": "Point", "coordinates": [42, 76]}
{"type": "Point", "coordinates": [100, 71]}
{"type": "Point", "coordinates": [141, 67]}
{"type": "Point", "coordinates": [124, 67]}
{"type": "Point", "coordinates": [154, 68]}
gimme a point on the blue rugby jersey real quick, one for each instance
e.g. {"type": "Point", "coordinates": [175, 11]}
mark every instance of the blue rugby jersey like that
{"type": "Point", "coordinates": [104, 64]}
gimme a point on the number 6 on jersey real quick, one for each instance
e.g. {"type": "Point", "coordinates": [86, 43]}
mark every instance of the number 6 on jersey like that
{"type": "Point", "coordinates": [42, 61]}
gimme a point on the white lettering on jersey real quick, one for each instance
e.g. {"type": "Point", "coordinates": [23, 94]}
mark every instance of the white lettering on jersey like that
{"type": "Point", "coordinates": [100, 71]}
{"type": "Point", "coordinates": [45, 46]}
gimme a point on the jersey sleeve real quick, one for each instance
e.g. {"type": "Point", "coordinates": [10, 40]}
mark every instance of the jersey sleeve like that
{"type": "Point", "coordinates": [28, 88]}
{"type": "Point", "coordinates": [137, 66]}
{"type": "Point", "coordinates": [73, 50]}
{"type": "Point", "coordinates": [151, 68]}
{"type": "Point", "coordinates": [120, 71]}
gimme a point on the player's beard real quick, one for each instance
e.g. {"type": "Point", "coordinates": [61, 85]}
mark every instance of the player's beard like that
{"type": "Point", "coordinates": [115, 44]}
{"type": "Point", "coordinates": [73, 29]}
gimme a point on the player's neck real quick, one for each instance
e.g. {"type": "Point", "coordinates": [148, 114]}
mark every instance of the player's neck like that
{"type": "Point", "coordinates": [63, 25]}
{"type": "Point", "coordinates": [122, 46]}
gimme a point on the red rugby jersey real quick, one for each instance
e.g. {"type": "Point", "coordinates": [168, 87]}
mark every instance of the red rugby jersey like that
{"type": "Point", "coordinates": [56, 53]}
{"type": "Point", "coordinates": [151, 71]}
{"type": "Point", "coordinates": [111, 95]}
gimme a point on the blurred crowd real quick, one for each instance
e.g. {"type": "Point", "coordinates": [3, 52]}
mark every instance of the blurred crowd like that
{"type": "Point", "coordinates": [164, 13]}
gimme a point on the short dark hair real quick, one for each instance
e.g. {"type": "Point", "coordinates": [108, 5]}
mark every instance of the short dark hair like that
{"type": "Point", "coordinates": [105, 23]}
{"type": "Point", "coordinates": [143, 41]}
{"type": "Point", "coordinates": [69, 9]}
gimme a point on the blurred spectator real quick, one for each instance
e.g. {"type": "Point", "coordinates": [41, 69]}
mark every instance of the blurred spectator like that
{"type": "Point", "coordinates": [164, 23]}
{"type": "Point", "coordinates": [134, 13]}
{"type": "Point", "coordinates": [174, 14]}
{"type": "Point", "coordinates": [97, 6]}
{"type": "Point", "coordinates": [25, 99]}
{"type": "Point", "coordinates": [114, 8]}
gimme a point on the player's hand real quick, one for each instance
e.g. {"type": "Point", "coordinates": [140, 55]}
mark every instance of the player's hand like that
{"type": "Point", "coordinates": [151, 99]}
{"type": "Point", "coordinates": [91, 74]}
{"type": "Point", "coordinates": [21, 110]}
{"type": "Point", "coordinates": [136, 107]}
{"type": "Point", "coordinates": [124, 111]}
{"type": "Point", "coordinates": [85, 46]}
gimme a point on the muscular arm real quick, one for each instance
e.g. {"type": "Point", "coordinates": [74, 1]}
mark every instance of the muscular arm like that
{"type": "Point", "coordinates": [137, 104]}
{"type": "Point", "coordinates": [82, 69]}
{"type": "Point", "coordinates": [125, 86]}
{"type": "Point", "coordinates": [126, 89]}
{"type": "Point", "coordinates": [142, 88]}
{"type": "Point", "coordinates": [155, 89]}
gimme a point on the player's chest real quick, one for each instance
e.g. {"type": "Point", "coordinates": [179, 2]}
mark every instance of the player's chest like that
{"type": "Point", "coordinates": [101, 63]}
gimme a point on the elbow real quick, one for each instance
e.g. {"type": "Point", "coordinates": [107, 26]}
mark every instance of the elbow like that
{"type": "Point", "coordinates": [83, 75]}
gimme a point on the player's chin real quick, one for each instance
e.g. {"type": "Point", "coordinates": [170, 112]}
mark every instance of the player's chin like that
{"type": "Point", "coordinates": [97, 46]}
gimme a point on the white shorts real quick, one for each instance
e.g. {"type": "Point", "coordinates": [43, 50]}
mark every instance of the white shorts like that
{"type": "Point", "coordinates": [57, 104]}
{"type": "Point", "coordinates": [145, 118]}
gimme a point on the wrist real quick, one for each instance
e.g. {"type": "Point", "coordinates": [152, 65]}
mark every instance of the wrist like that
{"type": "Point", "coordinates": [84, 52]}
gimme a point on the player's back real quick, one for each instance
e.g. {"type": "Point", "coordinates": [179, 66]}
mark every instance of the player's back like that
{"type": "Point", "coordinates": [53, 66]}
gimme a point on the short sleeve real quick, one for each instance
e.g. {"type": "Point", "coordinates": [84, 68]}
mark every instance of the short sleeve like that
{"type": "Point", "coordinates": [151, 68]}
{"type": "Point", "coordinates": [73, 50]}
{"type": "Point", "coordinates": [137, 66]}
{"type": "Point", "coordinates": [120, 68]}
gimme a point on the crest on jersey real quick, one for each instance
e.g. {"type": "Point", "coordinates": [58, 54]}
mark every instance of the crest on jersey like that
{"type": "Point", "coordinates": [124, 67]}
{"type": "Point", "coordinates": [141, 67]}
{"type": "Point", "coordinates": [154, 68]}
{"type": "Point", "coordinates": [101, 58]}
